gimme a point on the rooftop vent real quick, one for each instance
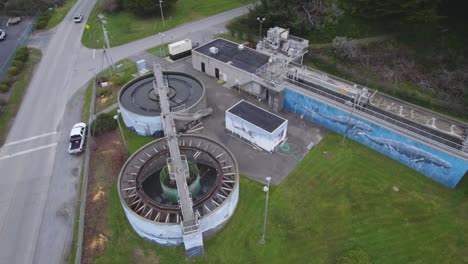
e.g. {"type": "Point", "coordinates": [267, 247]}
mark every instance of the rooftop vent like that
{"type": "Point", "coordinates": [214, 50]}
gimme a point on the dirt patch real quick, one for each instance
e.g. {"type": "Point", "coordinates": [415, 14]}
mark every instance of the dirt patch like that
{"type": "Point", "coordinates": [107, 157]}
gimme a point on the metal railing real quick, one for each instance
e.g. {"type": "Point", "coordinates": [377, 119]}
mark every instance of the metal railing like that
{"type": "Point", "coordinates": [372, 114]}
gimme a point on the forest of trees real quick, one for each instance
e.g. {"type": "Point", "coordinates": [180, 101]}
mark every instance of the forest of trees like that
{"type": "Point", "coordinates": [429, 55]}
{"type": "Point", "coordinates": [417, 16]}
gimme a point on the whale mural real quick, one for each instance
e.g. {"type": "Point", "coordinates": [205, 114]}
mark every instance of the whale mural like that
{"type": "Point", "coordinates": [351, 123]}
{"type": "Point", "coordinates": [414, 154]}
{"type": "Point", "coordinates": [436, 164]}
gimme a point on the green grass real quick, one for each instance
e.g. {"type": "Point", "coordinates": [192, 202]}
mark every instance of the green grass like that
{"type": "Point", "coordinates": [134, 140]}
{"type": "Point", "coordinates": [124, 27]}
{"type": "Point", "coordinates": [59, 14]}
{"type": "Point", "coordinates": [337, 199]}
{"type": "Point", "coordinates": [88, 93]}
{"type": "Point", "coordinates": [18, 90]}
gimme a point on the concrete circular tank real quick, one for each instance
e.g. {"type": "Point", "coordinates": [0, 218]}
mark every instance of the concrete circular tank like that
{"type": "Point", "coordinates": [153, 214]}
{"type": "Point", "coordinates": [139, 104]}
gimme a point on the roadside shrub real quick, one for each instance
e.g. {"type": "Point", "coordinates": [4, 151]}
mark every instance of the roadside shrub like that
{"type": "Point", "coordinates": [4, 88]}
{"type": "Point", "coordinates": [103, 123]}
{"type": "Point", "coordinates": [3, 105]}
{"type": "Point", "coordinates": [22, 54]}
{"type": "Point", "coordinates": [13, 71]}
{"type": "Point", "coordinates": [104, 91]}
{"type": "Point", "coordinates": [355, 256]}
{"type": "Point", "coordinates": [41, 24]}
{"type": "Point", "coordinates": [8, 80]}
{"type": "Point", "coordinates": [43, 20]}
{"type": "Point", "coordinates": [18, 64]}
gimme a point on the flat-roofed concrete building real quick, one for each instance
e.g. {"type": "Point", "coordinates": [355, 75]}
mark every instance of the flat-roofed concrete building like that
{"type": "Point", "coordinates": [260, 127]}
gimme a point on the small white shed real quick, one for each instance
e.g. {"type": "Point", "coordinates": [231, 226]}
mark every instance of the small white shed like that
{"type": "Point", "coordinates": [256, 125]}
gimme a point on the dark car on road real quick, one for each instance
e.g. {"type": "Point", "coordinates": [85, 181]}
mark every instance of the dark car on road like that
{"type": "Point", "coordinates": [2, 34]}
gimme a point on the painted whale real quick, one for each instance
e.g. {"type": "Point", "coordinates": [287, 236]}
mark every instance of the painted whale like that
{"type": "Point", "coordinates": [251, 134]}
{"type": "Point", "coordinates": [414, 154]}
{"type": "Point", "coordinates": [342, 120]}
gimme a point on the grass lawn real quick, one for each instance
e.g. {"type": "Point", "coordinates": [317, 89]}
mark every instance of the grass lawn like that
{"type": "Point", "coordinates": [124, 27]}
{"type": "Point", "coordinates": [59, 14]}
{"type": "Point", "coordinates": [339, 198]}
{"type": "Point", "coordinates": [134, 140]}
{"type": "Point", "coordinates": [18, 90]}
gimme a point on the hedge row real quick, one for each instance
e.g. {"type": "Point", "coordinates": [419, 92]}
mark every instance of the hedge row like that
{"type": "Point", "coordinates": [43, 19]}
{"type": "Point", "coordinates": [21, 57]}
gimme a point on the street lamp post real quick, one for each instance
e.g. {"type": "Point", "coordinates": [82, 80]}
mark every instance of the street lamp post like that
{"type": "Point", "coordinates": [162, 16]}
{"type": "Point", "coordinates": [162, 43]}
{"type": "Point", "coordinates": [266, 189]}
{"type": "Point", "coordinates": [261, 20]}
{"type": "Point", "coordinates": [116, 117]}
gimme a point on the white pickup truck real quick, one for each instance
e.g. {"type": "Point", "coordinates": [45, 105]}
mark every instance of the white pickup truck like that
{"type": "Point", "coordinates": [77, 138]}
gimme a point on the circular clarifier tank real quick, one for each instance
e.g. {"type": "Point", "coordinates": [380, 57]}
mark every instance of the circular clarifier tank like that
{"type": "Point", "coordinates": [149, 197]}
{"type": "Point", "coordinates": [139, 104]}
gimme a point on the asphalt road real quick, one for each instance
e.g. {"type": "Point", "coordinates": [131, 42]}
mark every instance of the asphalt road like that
{"type": "Point", "coordinates": [38, 191]}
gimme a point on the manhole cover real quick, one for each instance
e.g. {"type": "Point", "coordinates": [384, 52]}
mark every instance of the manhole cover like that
{"type": "Point", "coordinates": [285, 148]}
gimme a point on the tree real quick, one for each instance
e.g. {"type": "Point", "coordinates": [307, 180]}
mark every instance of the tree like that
{"type": "Point", "coordinates": [345, 48]}
{"type": "Point", "coordinates": [111, 6]}
{"type": "Point", "coordinates": [103, 123]}
{"type": "Point", "coordinates": [301, 16]}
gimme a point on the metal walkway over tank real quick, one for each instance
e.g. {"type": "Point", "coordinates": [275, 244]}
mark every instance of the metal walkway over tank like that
{"type": "Point", "coordinates": [178, 170]}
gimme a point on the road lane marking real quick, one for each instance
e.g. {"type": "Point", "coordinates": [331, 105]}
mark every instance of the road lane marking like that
{"type": "Point", "coordinates": [30, 138]}
{"type": "Point", "coordinates": [27, 151]}
{"type": "Point", "coordinates": [94, 53]}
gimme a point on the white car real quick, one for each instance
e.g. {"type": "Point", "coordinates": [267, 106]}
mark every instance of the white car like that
{"type": "Point", "coordinates": [13, 21]}
{"type": "Point", "coordinates": [2, 34]}
{"type": "Point", "coordinates": [77, 17]}
{"type": "Point", "coordinates": [77, 138]}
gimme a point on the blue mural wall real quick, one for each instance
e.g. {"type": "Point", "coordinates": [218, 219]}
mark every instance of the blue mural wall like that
{"type": "Point", "coordinates": [431, 162]}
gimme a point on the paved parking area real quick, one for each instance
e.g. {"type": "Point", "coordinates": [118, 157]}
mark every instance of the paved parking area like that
{"type": "Point", "coordinates": [14, 35]}
{"type": "Point", "coordinates": [253, 163]}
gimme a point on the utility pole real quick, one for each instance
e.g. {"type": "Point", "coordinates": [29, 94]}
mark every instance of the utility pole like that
{"type": "Point", "coordinates": [106, 39]}
{"type": "Point", "coordinates": [162, 15]}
